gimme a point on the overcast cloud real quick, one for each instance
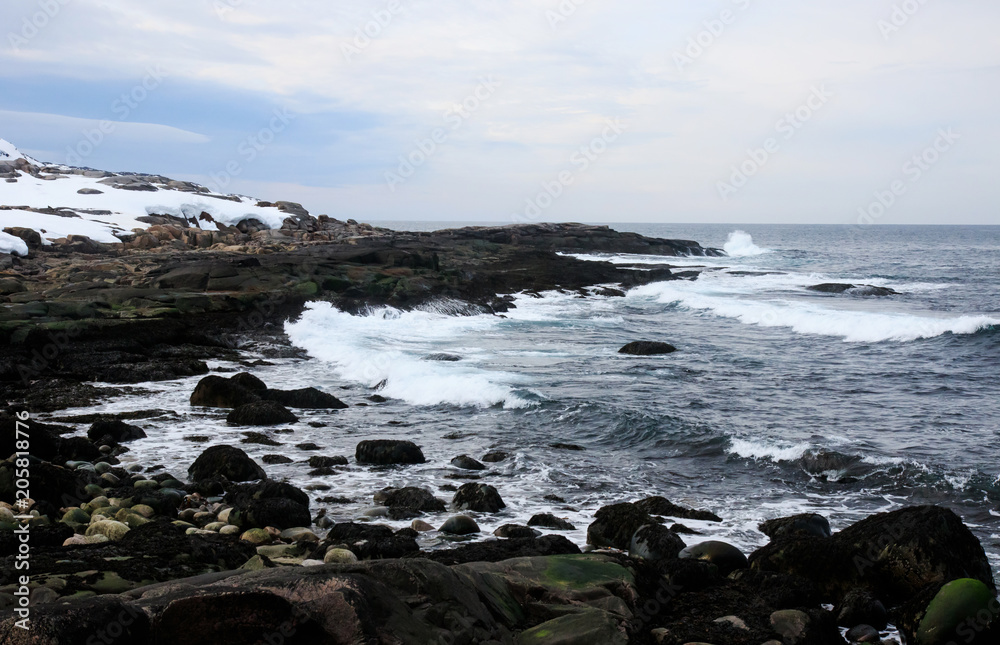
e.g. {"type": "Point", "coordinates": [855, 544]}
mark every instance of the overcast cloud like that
{"type": "Point", "coordinates": [519, 110]}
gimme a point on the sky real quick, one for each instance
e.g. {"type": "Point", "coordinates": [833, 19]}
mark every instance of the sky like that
{"type": "Point", "coordinates": [729, 111]}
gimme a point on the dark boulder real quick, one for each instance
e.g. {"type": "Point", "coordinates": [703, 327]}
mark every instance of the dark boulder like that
{"type": "Point", "coordinates": [894, 555]}
{"type": "Point", "coordinates": [495, 456]}
{"type": "Point", "coordinates": [647, 348]}
{"type": "Point", "coordinates": [460, 525]}
{"type": "Point", "coordinates": [655, 542]}
{"type": "Point", "coordinates": [615, 525]}
{"type": "Point", "coordinates": [260, 413]}
{"type": "Point", "coordinates": [388, 451]}
{"type": "Point", "coordinates": [308, 398]}
{"type": "Point", "coordinates": [724, 556]}
{"type": "Point", "coordinates": [52, 487]}
{"type": "Point", "coordinates": [851, 289]}
{"type": "Point", "coordinates": [466, 462]}
{"type": "Point", "coordinates": [412, 498]}
{"type": "Point", "coordinates": [498, 550]}
{"type": "Point", "coordinates": [114, 431]}
{"type": "Point", "coordinates": [550, 521]}
{"type": "Point", "coordinates": [860, 607]}
{"type": "Point", "coordinates": [248, 381]}
{"type": "Point", "coordinates": [225, 461]}
{"type": "Point", "coordinates": [802, 525]}
{"type": "Point", "coordinates": [370, 541]}
{"type": "Point", "coordinates": [80, 622]}
{"type": "Point", "coordinates": [662, 506]}
{"type": "Point", "coordinates": [218, 392]}
{"type": "Point", "coordinates": [326, 462]}
{"type": "Point", "coordinates": [516, 531]}
{"type": "Point", "coordinates": [268, 503]}
{"type": "Point", "coordinates": [481, 498]}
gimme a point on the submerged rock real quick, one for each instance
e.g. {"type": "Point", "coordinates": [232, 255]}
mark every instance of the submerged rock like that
{"type": "Point", "coordinates": [114, 431]}
{"type": "Point", "coordinates": [218, 392]}
{"type": "Point", "coordinates": [647, 348]}
{"type": "Point", "coordinates": [662, 506]}
{"type": "Point", "coordinates": [858, 290]}
{"type": "Point", "coordinates": [550, 521]}
{"type": "Point", "coordinates": [412, 498]}
{"type": "Point", "coordinates": [460, 525]}
{"type": "Point", "coordinates": [467, 463]}
{"type": "Point", "coordinates": [308, 398]}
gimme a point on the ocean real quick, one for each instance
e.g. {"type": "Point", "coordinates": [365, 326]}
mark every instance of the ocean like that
{"type": "Point", "coordinates": [779, 400]}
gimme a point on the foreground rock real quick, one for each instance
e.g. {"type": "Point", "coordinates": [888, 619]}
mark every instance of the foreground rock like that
{"type": "Point", "coordinates": [261, 413]}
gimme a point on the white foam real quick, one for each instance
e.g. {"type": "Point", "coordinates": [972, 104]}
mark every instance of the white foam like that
{"type": "Point", "coordinates": [753, 449]}
{"type": "Point", "coordinates": [391, 345]}
{"type": "Point", "coordinates": [808, 317]}
{"type": "Point", "coordinates": [740, 245]}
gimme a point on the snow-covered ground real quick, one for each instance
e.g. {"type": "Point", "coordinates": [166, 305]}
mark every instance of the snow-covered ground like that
{"type": "Point", "coordinates": [122, 206]}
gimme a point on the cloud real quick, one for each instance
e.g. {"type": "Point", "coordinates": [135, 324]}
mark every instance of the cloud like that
{"type": "Point", "coordinates": [368, 83]}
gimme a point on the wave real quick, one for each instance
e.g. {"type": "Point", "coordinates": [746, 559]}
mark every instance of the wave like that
{"type": "Point", "coordinates": [751, 449]}
{"type": "Point", "coordinates": [386, 348]}
{"type": "Point", "coordinates": [856, 326]}
{"type": "Point", "coordinates": [740, 245]}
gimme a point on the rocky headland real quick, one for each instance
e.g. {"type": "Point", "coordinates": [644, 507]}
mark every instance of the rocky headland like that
{"type": "Point", "coordinates": [224, 554]}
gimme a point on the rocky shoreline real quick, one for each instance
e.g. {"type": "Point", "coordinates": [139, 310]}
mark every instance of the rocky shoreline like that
{"type": "Point", "coordinates": [224, 554]}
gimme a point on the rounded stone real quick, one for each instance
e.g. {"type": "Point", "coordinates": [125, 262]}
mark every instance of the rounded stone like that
{"type": "Point", "coordinates": [256, 536]}
{"type": "Point", "coordinates": [110, 529]}
{"type": "Point", "coordinates": [421, 526]}
{"type": "Point", "coordinates": [724, 556]}
{"type": "Point", "coordinates": [75, 516]}
{"type": "Point", "coordinates": [229, 529]}
{"type": "Point", "coordinates": [460, 525]}
{"type": "Point", "coordinates": [339, 556]}
{"type": "Point", "coordinates": [958, 603]}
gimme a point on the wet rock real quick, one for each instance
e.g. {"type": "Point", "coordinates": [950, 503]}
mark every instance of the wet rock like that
{"type": "Point", "coordinates": [963, 610]}
{"type": "Point", "coordinates": [859, 290]}
{"type": "Point", "coordinates": [218, 392]}
{"type": "Point", "coordinates": [567, 446]}
{"type": "Point", "coordinates": [460, 525]}
{"type": "Point", "coordinates": [326, 462]}
{"type": "Point", "coordinates": [647, 348]}
{"type": "Point", "coordinates": [467, 463]}
{"type": "Point", "coordinates": [113, 432]}
{"type": "Point", "coordinates": [662, 506]}
{"type": "Point", "coordinates": [225, 461]}
{"type": "Point", "coordinates": [895, 555]}
{"type": "Point", "coordinates": [260, 413]}
{"type": "Point", "coordinates": [276, 459]}
{"type": "Point", "coordinates": [308, 398]}
{"type": "Point", "coordinates": [339, 556]}
{"type": "Point", "coordinates": [499, 550]}
{"type": "Point", "coordinates": [388, 451]}
{"type": "Point", "coordinates": [447, 358]}
{"type": "Point", "coordinates": [247, 381]}
{"type": "Point", "coordinates": [268, 503]}
{"type": "Point", "coordinates": [724, 556]}
{"type": "Point", "coordinates": [583, 628]}
{"type": "Point", "coordinates": [863, 634]}
{"type": "Point", "coordinates": [791, 624]}
{"type": "Point", "coordinates": [655, 542]}
{"type": "Point", "coordinates": [421, 526]}
{"type": "Point", "coordinates": [412, 498]}
{"type": "Point", "coordinates": [370, 541]}
{"type": "Point", "coordinates": [259, 438]}
{"type": "Point", "coordinates": [550, 521]}
{"type": "Point", "coordinates": [615, 525]}
{"type": "Point", "coordinates": [495, 456]}
{"type": "Point", "coordinates": [859, 607]}
{"type": "Point", "coordinates": [509, 531]}
{"type": "Point", "coordinates": [803, 525]}
{"type": "Point", "coordinates": [480, 498]}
